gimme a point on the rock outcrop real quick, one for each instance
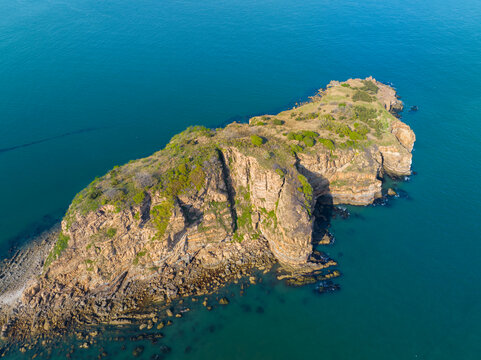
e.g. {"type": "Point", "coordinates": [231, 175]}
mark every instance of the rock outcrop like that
{"type": "Point", "coordinates": [214, 204]}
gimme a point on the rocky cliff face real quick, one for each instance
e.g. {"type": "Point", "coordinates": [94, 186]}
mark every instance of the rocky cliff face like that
{"type": "Point", "coordinates": [215, 203]}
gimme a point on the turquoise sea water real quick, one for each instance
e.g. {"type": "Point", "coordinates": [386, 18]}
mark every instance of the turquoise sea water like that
{"type": "Point", "coordinates": [101, 82]}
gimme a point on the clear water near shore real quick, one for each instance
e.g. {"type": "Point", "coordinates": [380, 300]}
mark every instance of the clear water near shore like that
{"type": "Point", "coordinates": [118, 79]}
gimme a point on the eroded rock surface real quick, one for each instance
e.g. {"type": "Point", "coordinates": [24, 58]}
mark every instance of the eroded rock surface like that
{"type": "Point", "coordinates": [213, 205]}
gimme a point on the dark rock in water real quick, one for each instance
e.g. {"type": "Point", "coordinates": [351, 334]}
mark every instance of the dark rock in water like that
{"type": "Point", "coordinates": [340, 211]}
{"type": "Point", "coordinates": [188, 350]}
{"type": "Point", "coordinates": [391, 192]}
{"type": "Point", "coordinates": [164, 349]}
{"type": "Point", "coordinates": [224, 301]}
{"type": "Point", "coordinates": [246, 308]}
{"type": "Point", "coordinates": [382, 201]}
{"type": "Point", "coordinates": [138, 351]}
{"type": "Point", "coordinates": [260, 310]}
{"type": "Point", "coordinates": [141, 337]}
{"type": "Point", "coordinates": [413, 108]}
{"type": "Point", "coordinates": [301, 280]}
{"type": "Point", "coordinates": [320, 256]}
{"type": "Point", "coordinates": [156, 357]}
{"type": "Point", "coordinates": [327, 286]}
{"type": "Point", "coordinates": [403, 194]}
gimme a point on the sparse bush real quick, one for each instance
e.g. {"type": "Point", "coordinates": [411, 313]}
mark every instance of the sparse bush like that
{"type": "Point", "coordinates": [144, 179]}
{"type": "Point", "coordinates": [307, 190]}
{"type": "Point", "coordinates": [280, 172]}
{"type": "Point", "coordinates": [369, 86]}
{"type": "Point", "coordinates": [161, 215]}
{"type": "Point", "coordinates": [296, 149]}
{"type": "Point", "coordinates": [308, 141]}
{"type": "Point", "coordinates": [362, 96]}
{"type": "Point", "coordinates": [277, 122]}
{"type": "Point", "coordinates": [327, 143]}
{"type": "Point", "coordinates": [139, 198]}
{"type": "Point", "coordinates": [111, 232]}
{"type": "Point", "coordinates": [257, 140]}
{"type": "Point", "coordinates": [58, 248]}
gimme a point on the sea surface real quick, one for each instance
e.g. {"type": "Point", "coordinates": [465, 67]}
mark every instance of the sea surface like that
{"type": "Point", "coordinates": [87, 84]}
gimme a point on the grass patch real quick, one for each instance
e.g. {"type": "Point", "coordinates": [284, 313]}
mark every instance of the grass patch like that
{"type": "Point", "coordinates": [307, 190]}
{"type": "Point", "coordinates": [58, 248]}
{"type": "Point", "coordinates": [360, 95]}
{"type": "Point", "coordinates": [139, 255]}
{"type": "Point", "coordinates": [160, 217]}
{"type": "Point", "coordinates": [257, 140]}
{"type": "Point", "coordinates": [111, 232]}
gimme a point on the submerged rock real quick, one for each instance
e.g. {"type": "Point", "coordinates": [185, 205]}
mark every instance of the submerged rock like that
{"type": "Point", "coordinates": [224, 301]}
{"type": "Point", "coordinates": [326, 287]}
{"type": "Point", "coordinates": [138, 351]}
{"type": "Point", "coordinates": [391, 192]}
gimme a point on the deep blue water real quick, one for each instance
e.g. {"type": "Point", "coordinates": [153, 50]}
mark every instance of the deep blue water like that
{"type": "Point", "coordinates": [103, 82]}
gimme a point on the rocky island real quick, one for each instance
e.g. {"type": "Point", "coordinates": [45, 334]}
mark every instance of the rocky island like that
{"type": "Point", "coordinates": [209, 208]}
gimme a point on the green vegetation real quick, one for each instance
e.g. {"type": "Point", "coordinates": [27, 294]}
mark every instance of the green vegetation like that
{"type": "Point", "coordinates": [360, 95]}
{"type": "Point", "coordinates": [327, 143]}
{"type": "Point", "coordinates": [307, 190]}
{"type": "Point", "coordinates": [259, 123]}
{"type": "Point", "coordinates": [244, 214]}
{"type": "Point", "coordinates": [58, 248]}
{"type": "Point", "coordinates": [369, 117]}
{"type": "Point", "coordinates": [309, 116]}
{"type": "Point", "coordinates": [278, 122]}
{"type": "Point", "coordinates": [280, 172]}
{"type": "Point", "coordinates": [218, 209]}
{"type": "Point", "coordinates": [160, 216]}
{"type": "Point", "coordinates": [197, 177]}
{"type": "Point", "coordinates": [257, 140]}
{"type": "Point", "coordinates": [270, 218]}
{"type": "Point", "coordinates": [296, 149]}
{"type": "Point", "coordinates": [138, 256]}
{"type": "Point", "coordinates": [139, 198]}
{"type": "Point", "coordinates": [111, 232]}
{"type": "Point", "coordinates": [346, 85]}
{"type": "Point", "coordinates": [306, 136]}
{"type": "Point", "coordinates": [369, 86]}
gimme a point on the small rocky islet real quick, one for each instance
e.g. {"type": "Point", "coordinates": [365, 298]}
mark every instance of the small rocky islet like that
{"type": "Point", "coordinates": [214, 206]}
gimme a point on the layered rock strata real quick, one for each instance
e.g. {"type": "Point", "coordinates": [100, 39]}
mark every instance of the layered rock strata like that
{"type": "Point", "coordinates": [212, 205]}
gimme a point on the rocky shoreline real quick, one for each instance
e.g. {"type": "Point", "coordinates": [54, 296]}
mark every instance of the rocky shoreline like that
{"type": "Point", "coordinates": [213, 207]}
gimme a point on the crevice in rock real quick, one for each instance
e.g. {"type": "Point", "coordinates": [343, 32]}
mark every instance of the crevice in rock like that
{"type": "Point", "coordinates": [229, 188]}
{"type": "Point", "coordinates": [145, 210]}
{"type": "Point", "coordinates": [190, 213]}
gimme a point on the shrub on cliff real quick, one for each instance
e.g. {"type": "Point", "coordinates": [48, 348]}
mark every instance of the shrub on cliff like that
{"type": "Point", "coordinates": [161, 215]}
{"type": "Point", "coordinates": [59, 247]}
{"type": "Point", "coordinates": [369, 86]}
{"type": "Point", "coordinates": [362, 96]}
{"type": "Point", "coordinates": [308, 141]}
{"type": "Point", "coordinates": [364, 113]}
{"type": "Point", "coordinates": [139, 198]}
{"type": "Point", "coordinates": [327, 143]}
{"type": "Point", "coordinates": [307, 190]}
{"type": "Point", "coordinates": [257, 140]}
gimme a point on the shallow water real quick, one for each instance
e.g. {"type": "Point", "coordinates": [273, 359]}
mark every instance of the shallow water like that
{"type": "Point", "coordinates": [94, 84]}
